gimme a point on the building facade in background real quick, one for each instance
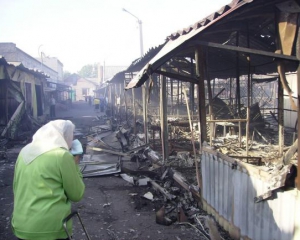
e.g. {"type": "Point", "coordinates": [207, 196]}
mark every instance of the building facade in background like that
{"type": "Point", "coordinates": [55, 64]}
{"type": "Point", "coordinates": [81, 87]}
{"type": "Point", "coordinates": [14, 54]}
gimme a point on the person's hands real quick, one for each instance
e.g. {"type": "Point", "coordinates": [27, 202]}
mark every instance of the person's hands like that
{"type": "Point", "coordinates": [77, 159]}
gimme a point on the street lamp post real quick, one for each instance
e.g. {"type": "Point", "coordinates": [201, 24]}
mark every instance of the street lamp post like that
{"type": "Point", "coordinates": [141, 30]}
{"type": "Point", "coordinates": [40, 55]}
{"type": "Point", "coordinates": [145, 110]}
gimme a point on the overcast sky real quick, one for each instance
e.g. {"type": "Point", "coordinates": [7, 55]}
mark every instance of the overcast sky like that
{"type": "Point", "coordinates": [81, 32]}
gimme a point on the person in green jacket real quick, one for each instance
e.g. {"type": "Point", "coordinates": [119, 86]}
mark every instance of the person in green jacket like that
{"type": "Point", "coordinates": [46, 180]}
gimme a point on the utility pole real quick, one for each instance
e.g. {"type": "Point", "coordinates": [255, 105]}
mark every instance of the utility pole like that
{"type": "Point", "coordinates": [144, 88]}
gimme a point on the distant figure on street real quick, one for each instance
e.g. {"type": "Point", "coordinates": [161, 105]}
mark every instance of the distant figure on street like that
{"type": "Point", "coordinates": [52, 107]}
{"type": "Point", "coordinates": [102, 104]}
{"type": "Point", "coordinates": [90, 100]}
{"type": "Point", "coordinates": [97, 104]}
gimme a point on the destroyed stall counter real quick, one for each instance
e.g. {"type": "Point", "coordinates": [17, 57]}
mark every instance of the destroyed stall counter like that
{"type": "Point", "coordinates": [260, 153]}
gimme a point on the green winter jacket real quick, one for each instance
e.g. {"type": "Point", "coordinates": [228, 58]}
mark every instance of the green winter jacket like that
{"type": "Point", "coordinates": [43, 191]}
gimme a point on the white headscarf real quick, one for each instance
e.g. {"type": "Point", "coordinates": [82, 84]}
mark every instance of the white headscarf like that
{"type": "Point", "coordinates": [55, 134]}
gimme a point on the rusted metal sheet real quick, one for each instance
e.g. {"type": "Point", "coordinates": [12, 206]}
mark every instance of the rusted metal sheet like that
{"type": "Point", "coordinates": [229, 189]}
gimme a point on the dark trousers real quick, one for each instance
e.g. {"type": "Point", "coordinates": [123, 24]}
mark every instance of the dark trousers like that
{"type": "Point", "coordinates": [52, 111]}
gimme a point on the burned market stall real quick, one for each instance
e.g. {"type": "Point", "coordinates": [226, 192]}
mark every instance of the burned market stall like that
{"type": "Point", "coordinates": [238, 73]}
{"type": "Point", "coordinates": [128, 106]}
{"type": "Point", "coordinates": [21, 99]}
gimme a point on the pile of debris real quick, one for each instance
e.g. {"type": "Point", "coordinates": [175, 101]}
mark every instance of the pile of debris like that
{"type": "Point", "coordinates": [110, 149]}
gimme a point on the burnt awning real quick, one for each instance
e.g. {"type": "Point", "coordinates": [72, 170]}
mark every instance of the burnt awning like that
{"type": "Point", "coordinates": [238, 30]}
{"type": "Point", "coordinates": [136, 65]}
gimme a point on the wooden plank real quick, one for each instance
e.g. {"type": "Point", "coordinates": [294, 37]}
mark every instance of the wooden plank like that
{"type": "Point", "coordinates": [249, 90]}
{"type": "Point", "coordinates": [280, 119]}
{"type": "Point", "coordinates": [210, 112]}
{"type": "Point", "coordinates": [193, 141]}
{"type": "Point", "coordinates": [11, 120]}
{"type": "Point", "coordinates": [290, 153]}
{"type": "Point", "coordinates": [163, 117]}
{"type": "Point", "coordinates": [145, 111]}
{"type": "Point", "coordinates": [134, 110]}
{"type": "Point", "coordinates": [162, 190]}
{"type": "Point", "coordinates": [228, 120]}
{"type": "Point", "coordinates": [201, 96]}
{"type": "Point", "coordinates": [125, 103]}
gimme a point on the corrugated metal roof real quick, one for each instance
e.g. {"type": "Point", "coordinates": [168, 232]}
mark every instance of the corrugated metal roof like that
{"type": "Point", "coordinates": [241, 23]}
{"type": "Point", "coordinates": [117, 78]}
{"type": "Point", "coordinates": [20, 66]}
{"type": "Point", "coordinates": [179, 37]}
{"type": "Point", "coordinates": [136, 65]}
{"type": "Point", "coordinates": [139, 63]}
{"type": "Point", "coordinates": [209, 19]}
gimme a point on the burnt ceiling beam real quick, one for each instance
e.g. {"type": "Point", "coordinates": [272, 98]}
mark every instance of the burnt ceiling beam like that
{"type": "Point", "coordinates": [255, 16]}
{"type": "Point", "coordinates": [181, 71]}
{"type": "Point", "coordinates": [239, 21]}
{"type": "Point", "coordinates": [177, 76]}
{"type": "Point", "coordinates": [245, 50]}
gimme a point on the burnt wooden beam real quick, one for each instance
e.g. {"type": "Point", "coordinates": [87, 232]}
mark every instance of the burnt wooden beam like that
{"type": "Point", "coordinates": [145, 110]}
{"type": "Point", "coordinates": [228, 120]}
{"type": "Point", "coordinates": [134, 108]}
{"type": "Point", "coordinates": [280, 118]}
{"type": "Point", "coordinates": [193, 141]}
{"type": "Point", "coordinates": [201, 95]}
{"type": "Point", "coordinates": [180, 179]}
{"type": "Point", "coordinates": [162, 190]}
{"type": "Point", "coordinates": [201, 101]}
{"type": "Point", "coordinates": [290, 153]}
{"type": "Point", "coordinates": [298, 112]}
{"type": "Point", "coordinates": [178, 95]}
{"type": "Point", "coordinates": [177, 76]}
{"type": "Point", "coordinates": [210, 112]}
{"type": "Point", "coordinates": [171, 83]}
{"type": "Point", "coordinates": [238, 95]}
{"type": "Point", "coordinates": [245, 50]}
{"type": "Point", "coordinates": [163, 117]}
{"type": "Point", "coordinates": [125, 101]}
{"type": "Point", "coordinates": [249, 85]}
